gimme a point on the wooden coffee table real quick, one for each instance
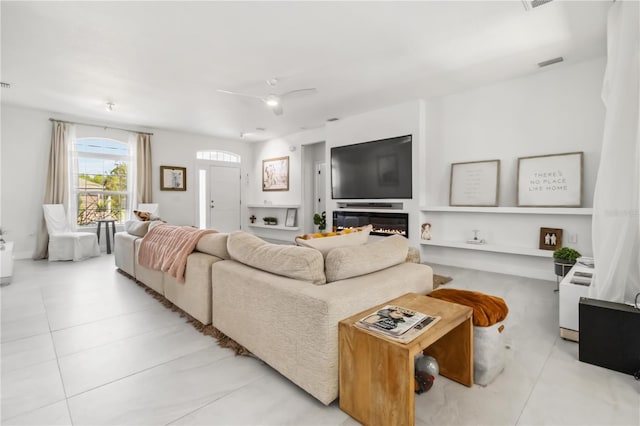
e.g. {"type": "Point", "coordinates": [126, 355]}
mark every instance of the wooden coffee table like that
{"type": "Point", "coordinates": [377, 374]}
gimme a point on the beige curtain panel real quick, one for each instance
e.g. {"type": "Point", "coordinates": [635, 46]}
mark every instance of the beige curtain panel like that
{"type": "Point", "coordinates": [57, 182]}
{"type": "Point", "coordinates": [143, 166]}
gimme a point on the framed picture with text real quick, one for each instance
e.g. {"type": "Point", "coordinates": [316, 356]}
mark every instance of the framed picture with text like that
{"type": "Point", "coordinates": [474, 183]}
{"type": "Point", "coordinates": [553, 180]}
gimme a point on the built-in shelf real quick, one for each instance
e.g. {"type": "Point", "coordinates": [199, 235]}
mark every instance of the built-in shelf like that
{"type": "Point", "coordinates": [278, 227]}
{"type": "Point", "coordinates": [578, 211]}
{"type": "Point", "coordinates": [273, 206]}
{"type": "Point", "coordinates": [490, 247]}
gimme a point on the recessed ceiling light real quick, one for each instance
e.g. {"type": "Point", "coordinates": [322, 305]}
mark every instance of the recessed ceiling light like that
{"type": "Point", "coordinates": [260, 129]}
{"type": "Point", "coordinates": [333, 119]}
{"type": "Point", "coordinates": [109, 106]}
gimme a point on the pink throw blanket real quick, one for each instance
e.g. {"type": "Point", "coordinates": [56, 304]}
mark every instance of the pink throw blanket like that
{"type": "Point", "coordinates": [166, 248]}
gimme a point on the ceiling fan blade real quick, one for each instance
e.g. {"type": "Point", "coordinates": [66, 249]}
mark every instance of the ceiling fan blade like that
{"type": "Point", "coordinates": [228, 92]}
{"type": "Point", "coordinates": [298, 91]}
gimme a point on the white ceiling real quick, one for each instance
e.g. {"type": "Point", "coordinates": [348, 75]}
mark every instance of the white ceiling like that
{"type": "Point", "coordinates": [161, 62]}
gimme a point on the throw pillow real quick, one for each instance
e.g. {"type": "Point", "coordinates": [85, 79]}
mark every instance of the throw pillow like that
{"type": "Point", "coordinates": [136, 227]}
{"type": "Point", "coordinates": [347, 262]}
{"type": "Point", "coordinates": [327, 241]}
{"type": "Point", "coordinates": [144, 215]}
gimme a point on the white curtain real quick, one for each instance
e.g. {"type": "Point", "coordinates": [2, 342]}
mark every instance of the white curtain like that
{"type": "Point", "coordinates": [132, 202]}
{"type": "Point", "coordinates": [72, 205]}
{"type": "Point", "coordinates": [616, 204]}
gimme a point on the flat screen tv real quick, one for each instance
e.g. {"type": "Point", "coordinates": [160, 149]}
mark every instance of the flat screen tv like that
{"type": "Point", "coordinates": [372, 170]}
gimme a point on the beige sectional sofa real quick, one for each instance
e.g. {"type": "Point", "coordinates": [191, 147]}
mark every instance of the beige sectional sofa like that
{"type": "Point", "coordinates": [281, 302]}
{"type": "Point", "coordinates": [194, 295]}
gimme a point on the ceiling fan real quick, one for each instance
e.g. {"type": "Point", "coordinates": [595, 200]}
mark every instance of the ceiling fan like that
{"type": "Point", "coordinates": [273, 100]}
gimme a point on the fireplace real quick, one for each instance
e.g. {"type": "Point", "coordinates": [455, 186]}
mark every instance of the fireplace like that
{"type": "Point", "coordinates": [383, 223]}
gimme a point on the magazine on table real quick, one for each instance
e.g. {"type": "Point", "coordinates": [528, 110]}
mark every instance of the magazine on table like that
{"type": "Point", "coordinates": [396, 322]}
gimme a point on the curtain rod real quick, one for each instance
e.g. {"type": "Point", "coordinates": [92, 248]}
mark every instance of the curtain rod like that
{"type": "Point", "coordinates": [104, 127]}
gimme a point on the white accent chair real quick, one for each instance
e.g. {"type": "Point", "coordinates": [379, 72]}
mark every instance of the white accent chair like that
{"type": "Point", "coordinates": [65, 244]}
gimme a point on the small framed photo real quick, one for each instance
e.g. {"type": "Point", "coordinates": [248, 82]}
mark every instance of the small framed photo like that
{"type": "Point", "coordinates": [290, 220]}
{"type": "Point", "coordinates": [275, 174]}
{"type": "Point", "coordinates": [173, 178]}
{"type": "Point", "coordinates": [550, 238]}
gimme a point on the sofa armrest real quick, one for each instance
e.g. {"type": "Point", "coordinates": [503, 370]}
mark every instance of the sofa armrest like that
{"type": "Point", "coordinates": [293, 325]}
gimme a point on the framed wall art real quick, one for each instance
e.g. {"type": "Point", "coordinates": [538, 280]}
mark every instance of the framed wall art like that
{"type": "Point", "coordinates": [173, 178]}
{"type": "Point", "coordinates": [290, 220]}
{"type": "Point", "coordinates": [275, 174]}
{"type": "Point", "coordinates": [474, 183]}
{"type": "Point", "coordinates": [553, 180]}
{"type": "Point", "coordinates": [550, 238]}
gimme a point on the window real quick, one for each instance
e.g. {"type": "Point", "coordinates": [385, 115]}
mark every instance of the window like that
{"type": "Point", "coordinates": [218, 156]}
{"type": "Point", "coordinates": [100, 179]}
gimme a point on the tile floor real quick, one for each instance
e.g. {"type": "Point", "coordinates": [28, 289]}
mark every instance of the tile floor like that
{"type": "Point", "coordinates": [82, 344]}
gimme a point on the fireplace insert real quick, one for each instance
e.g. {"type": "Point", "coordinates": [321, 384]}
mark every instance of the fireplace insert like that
{"type": "Point", "coordinates": [383, 223]}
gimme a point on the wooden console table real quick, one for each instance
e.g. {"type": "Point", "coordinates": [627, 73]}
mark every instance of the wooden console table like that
{"type": "Point", "coordinates": [377, 374]}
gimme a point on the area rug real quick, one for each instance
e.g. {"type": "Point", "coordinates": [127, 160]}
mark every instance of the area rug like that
{"type": "Point", "coordinates": [208, 330]}
{"type": "Point", "coordinates": [439, 280]}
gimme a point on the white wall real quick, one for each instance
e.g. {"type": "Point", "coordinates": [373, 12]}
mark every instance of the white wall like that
{"type": "Point", "coordinates": [291, 146]}
{"type": "Point", "coordinates": [170, 148]}
{"type": "Point", "coordinates": [556, 110]}
{"type": "Point", "coordinates": [26, 136]}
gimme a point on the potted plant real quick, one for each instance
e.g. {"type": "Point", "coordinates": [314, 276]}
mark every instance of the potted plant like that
{"type": "Point", "coordinates": [563, 259]}
{"type": "Point", "coordinates": [320, 220]}
{"type": "Point", "coordinates": [268, 220]}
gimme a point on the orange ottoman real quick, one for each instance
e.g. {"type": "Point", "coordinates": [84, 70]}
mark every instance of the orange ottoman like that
{"type": "Point", "coordinates": [488, 345]}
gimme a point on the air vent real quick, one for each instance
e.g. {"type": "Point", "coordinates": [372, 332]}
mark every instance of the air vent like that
{"type": "Point", "coordinates": [532, 4]}
{"type": "Point", "coordinates": [5, 85]}
{"type": "Point", "coordinates": [550, 62]}
{"type": "Point", "coordinates": [333, 119]}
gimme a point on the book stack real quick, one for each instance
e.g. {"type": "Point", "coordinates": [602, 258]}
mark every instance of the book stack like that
{"type": "Point", "coordinates": [398, 323]}
{"type": "Point", "coordinates": [581, 278]}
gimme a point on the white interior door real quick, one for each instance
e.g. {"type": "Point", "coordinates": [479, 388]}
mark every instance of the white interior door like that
{"type": "Point", "coordinates": [224, 204]}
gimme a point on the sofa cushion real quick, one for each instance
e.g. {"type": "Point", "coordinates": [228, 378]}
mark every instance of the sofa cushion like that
{"type": "Point", "coordinates": [347, 262]}
{"type": "Point", "coordinates": [214, 244]}
{"type": "Point", "coordinates": [327, 241]}
{"type": "Point", "coordinates": [136, 227]}
{"type": "Point", "coordinates": [299, 263]}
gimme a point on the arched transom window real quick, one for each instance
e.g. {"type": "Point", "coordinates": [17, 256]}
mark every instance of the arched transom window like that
{"type": "Point", "coordinates": [228, 157]}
